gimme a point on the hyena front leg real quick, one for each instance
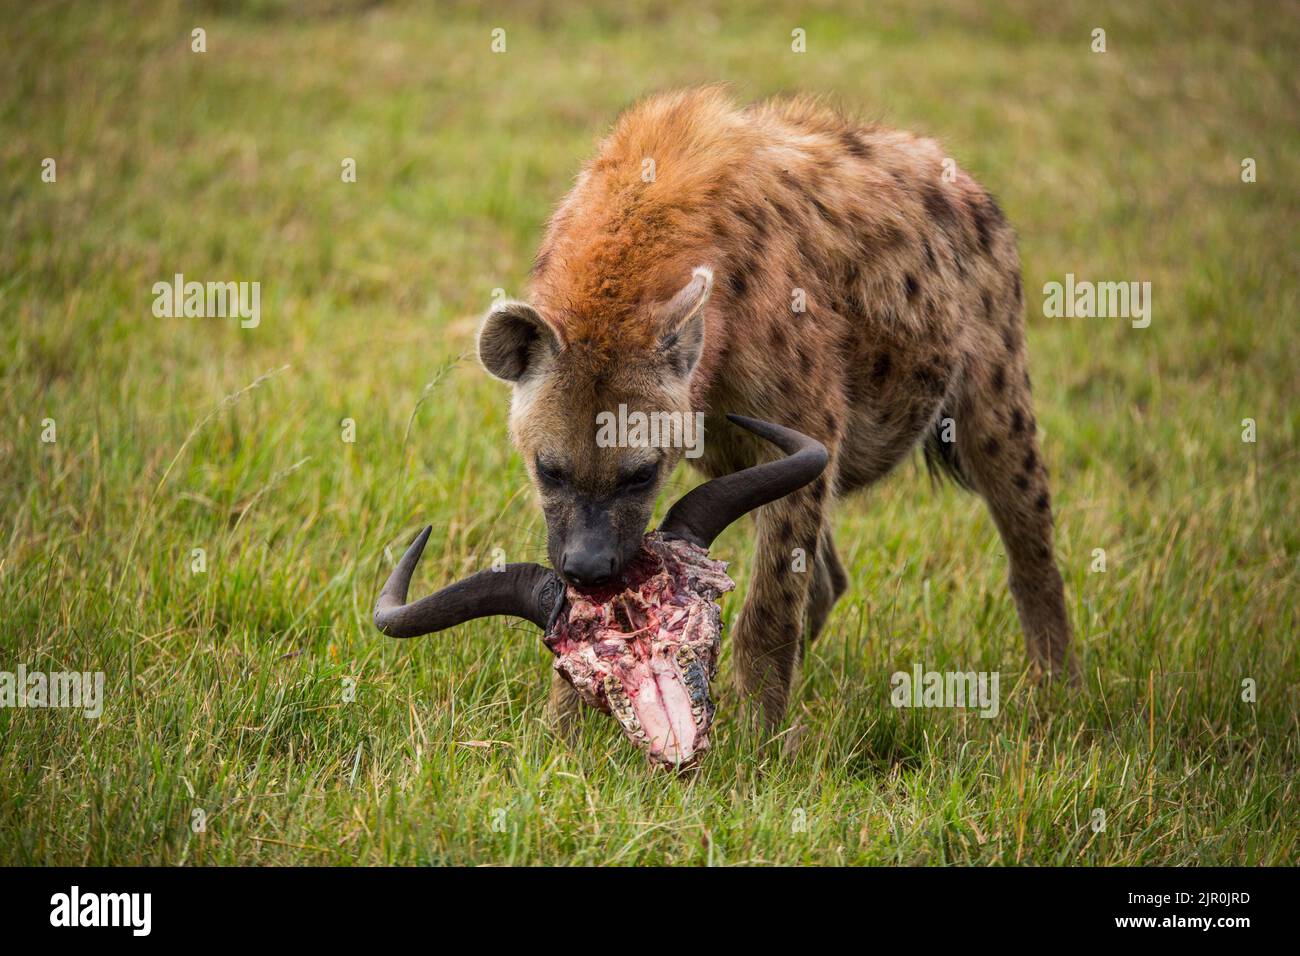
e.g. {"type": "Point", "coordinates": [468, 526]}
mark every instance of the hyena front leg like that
{"type": "Point", "coordinates": [563, 706]}
{"type": "Point", "coordinates": [770, 630]}
{"type": "Point", "coordinates": [829, 582]}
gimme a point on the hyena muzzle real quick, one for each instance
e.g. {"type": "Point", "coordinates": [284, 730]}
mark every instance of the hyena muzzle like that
{"type": "Point", "coordinates": [781, 262]}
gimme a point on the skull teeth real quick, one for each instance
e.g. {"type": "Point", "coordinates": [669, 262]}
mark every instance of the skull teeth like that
{"type": "Point", "coordinates": [692, 672]}
{"type": "Point", "coordinates": [697, 685]}
{"type": "Point", "coordinates": [621, 707]}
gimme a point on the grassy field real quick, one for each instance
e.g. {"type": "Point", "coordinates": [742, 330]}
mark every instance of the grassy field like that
{"type": "Point", "coordinates": [255, 698]}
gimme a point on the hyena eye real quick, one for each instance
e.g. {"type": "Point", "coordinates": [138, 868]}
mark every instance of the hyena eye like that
{"type": "Point", "coordinates": [642, 477]}
{"type": "Point", "coordinates": [549, 473]}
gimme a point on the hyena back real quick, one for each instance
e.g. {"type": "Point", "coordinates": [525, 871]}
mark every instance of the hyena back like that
{"type": "Point", "coordinates": [785, 263]}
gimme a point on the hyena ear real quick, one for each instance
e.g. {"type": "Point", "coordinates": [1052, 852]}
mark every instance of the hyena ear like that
{"type": "Point", "coordinates": [514, 339]}
{"type": "Point", "coordinates": [681, 322]}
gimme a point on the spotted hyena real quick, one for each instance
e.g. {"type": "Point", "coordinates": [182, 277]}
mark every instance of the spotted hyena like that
{"type": "Point", "coordinates": [783, 262]}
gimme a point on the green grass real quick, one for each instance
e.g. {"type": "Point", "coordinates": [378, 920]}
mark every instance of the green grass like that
{"type": "Point", "coordinates": [226, 688]}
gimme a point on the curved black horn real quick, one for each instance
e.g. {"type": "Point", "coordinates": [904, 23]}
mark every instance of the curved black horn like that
{"type": "Point", "coordinates": [700, 516]}
{"type": "Point", "coordinates": [530, 591]}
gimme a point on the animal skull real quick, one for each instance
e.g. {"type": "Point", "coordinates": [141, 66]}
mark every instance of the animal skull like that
{"type": "Point", "coordinates": [644, 648]}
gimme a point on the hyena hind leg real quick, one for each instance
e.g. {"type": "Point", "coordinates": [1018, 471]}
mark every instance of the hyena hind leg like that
{"type": "Point", "coordinates": [998, 454]}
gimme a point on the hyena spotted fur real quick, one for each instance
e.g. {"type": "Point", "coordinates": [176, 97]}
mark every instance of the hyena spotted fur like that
{"type": "Point", "coordinates": [670, 278]}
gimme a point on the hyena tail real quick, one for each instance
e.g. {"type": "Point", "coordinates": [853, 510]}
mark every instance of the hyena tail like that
{"type": "Point", "coordinates": [941, 458]}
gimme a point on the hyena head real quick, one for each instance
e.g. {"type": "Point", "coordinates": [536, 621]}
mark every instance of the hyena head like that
{"type": "Point", "coordinates": [597, 481]}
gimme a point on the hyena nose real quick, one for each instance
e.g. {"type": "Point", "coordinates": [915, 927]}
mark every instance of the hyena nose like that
{"type": "Point", "coordinates": [588, 567]}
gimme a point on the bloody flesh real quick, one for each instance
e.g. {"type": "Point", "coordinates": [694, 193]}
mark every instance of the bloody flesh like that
{"type": "Point", "coordinates": [645, 648]}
